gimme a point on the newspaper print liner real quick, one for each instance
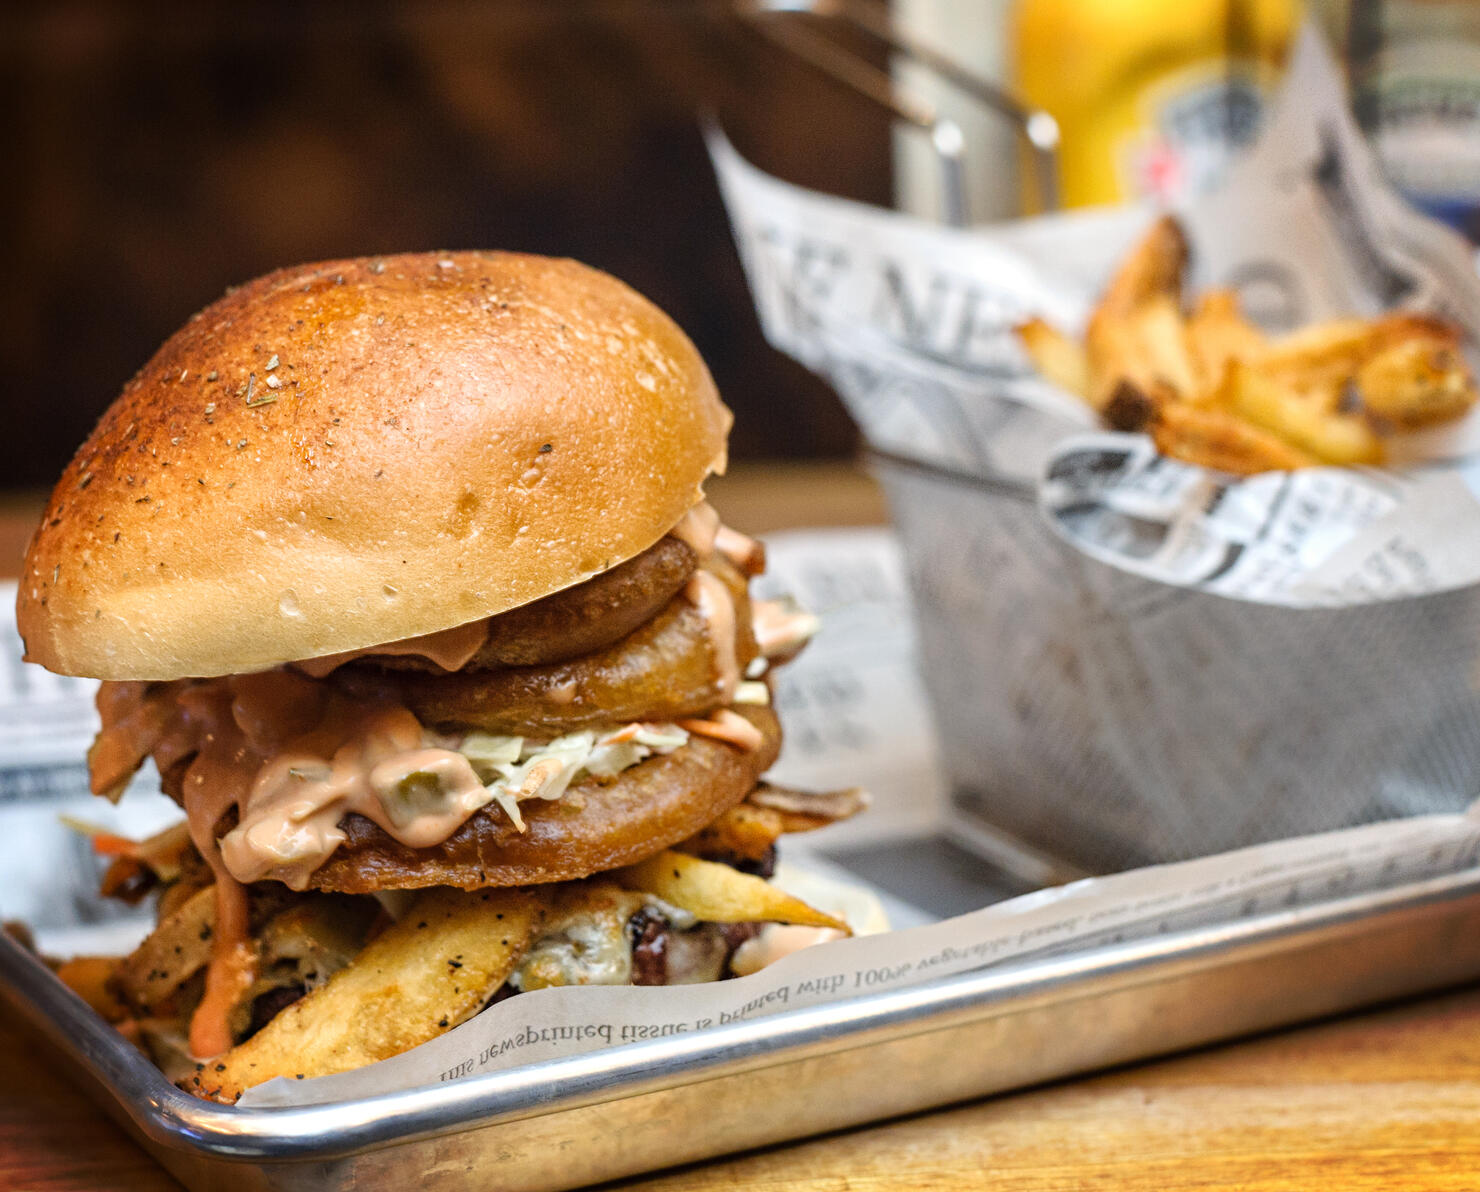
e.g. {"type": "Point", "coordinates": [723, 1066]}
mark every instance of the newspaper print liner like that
{"type": "Point", "coordinates": [912, 324]}
{"type": "Point", "coordinates": [551, 1023]}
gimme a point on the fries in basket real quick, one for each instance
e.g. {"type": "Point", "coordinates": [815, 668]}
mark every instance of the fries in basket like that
{"type": "Point", "coordinates": [1210, 388]}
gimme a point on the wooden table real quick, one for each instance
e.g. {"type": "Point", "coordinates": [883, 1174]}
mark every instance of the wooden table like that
{"type": "Point", "coordinates": [1383, 1100]}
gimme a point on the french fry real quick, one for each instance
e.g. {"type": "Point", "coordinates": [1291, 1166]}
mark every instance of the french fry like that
{"type": "Point", "coordinates": [171, 954]}
{"type": "Point", "coordinates": [716, 893]}
{"type": "Point", "coordinates": [1321, 361]}
{"type": "Point", "coordinates": [1417, 382]}
{"type": "Point", "coordinates": [181, 945]}
{"type": "Point", "coordinates": [1403, 325]}
{"type": "Point", "coordinates": [1113, 358]}
{"type": "Point", "coordinates": [744, 831]}
{"type": "Point", "coordinates": [320, 935]}
{"type": "Point", "coordinates": [1152, 269]}
{"type": "Point", "coordinates": [1057, 357]}
{"type": "Point", "coordinates": [433, 968]}
{"type": "Point", "coordinates": [1266, 402]}
{"type": "Point", "coordinates": [1339, 344]}
{"type": "Point", "coordinates": [1217, 335]}
{"type": "Point", "coordinates": [1144, 348]}
{"type": "Point", "coordinates": [1162, 334]}
{"type": "Point", "coordinates": [1136, 342]}
{"type": "Point", "coordinates": [1211, 389]}
{"type": "Point", "coordinates": [1218, 439]}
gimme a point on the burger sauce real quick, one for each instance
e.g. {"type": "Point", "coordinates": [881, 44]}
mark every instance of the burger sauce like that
{"type": "Point", "coordinates": [329, 758]}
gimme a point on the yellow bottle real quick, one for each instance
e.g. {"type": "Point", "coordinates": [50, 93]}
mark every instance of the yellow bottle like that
{"type": "Point", "coordinates": [1151, 96]}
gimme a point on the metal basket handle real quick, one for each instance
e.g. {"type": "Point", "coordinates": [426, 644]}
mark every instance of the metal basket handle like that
{"type": "Point", "coordinates": [1036, 126]}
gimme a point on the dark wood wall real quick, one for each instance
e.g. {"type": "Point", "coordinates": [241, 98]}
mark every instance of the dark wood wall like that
{"type": "Point", "coordinates": [156, 153]}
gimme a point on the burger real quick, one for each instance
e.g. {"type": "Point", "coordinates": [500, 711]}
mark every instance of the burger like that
{"type": "Point", "coordinates": [399, 570]}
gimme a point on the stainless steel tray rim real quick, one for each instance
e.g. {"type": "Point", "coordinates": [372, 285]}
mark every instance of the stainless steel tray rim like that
{"type": "Point", "coordinates": [173, 1118]}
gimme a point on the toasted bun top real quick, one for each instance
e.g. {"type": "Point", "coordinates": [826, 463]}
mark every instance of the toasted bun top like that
{"type": "Point", "coordinates": [351, 453]}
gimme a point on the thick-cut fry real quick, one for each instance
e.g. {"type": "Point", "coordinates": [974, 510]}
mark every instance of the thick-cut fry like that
{"type": "Point", "coordinates": [434, 968]}
{"type": "Point", "coordinates": [1220, 440]}
{"type": "Point", "coordinates": [1154, 268]}
{"type": "Point", "coordinates": [1136, 337]}
{"type": "Point", "coordinates": [1263, 401]}
{"type": "Point", "coordinates": [1217, 335]}
{"type": "Point", "coordinates": [1057, 357]}
{"type": "Point", "coordinates": [1212, 390]}
{"type": "Point", "coordinates": [1320, 361]}
{"type": "Point", "coordinates": [718, 894]}
{"type": "Point", "coordinates": [1144, 348]}
{"type": "Point", "coordinates": [319, 935]}
{"type": "Point", "coordinates": [1340, 345]}
{"type": "Point", "coordinates": [1417, 382]}
{"type": "Point", "coordinates": [304, 946]}
{"type": "Point", "coordinates": [181, 945]}
{"type": "Point", "coordinates": [1402, 325]}
{"type": "Point", "coordinates": [1157, 325]}
{"type": "Point", "coordinates": [1113, 355]}
{"type": "Point", "coordinates": [744, 832]}
{"type": "Point", "coordinates": [174, 952]}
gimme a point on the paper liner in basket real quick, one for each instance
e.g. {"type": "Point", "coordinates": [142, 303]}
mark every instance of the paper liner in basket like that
{"type": "Point", "coordinates": [912, 323]}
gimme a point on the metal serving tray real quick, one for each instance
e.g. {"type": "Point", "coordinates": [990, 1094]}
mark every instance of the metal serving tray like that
{"type": "Point", "coordinates": [635, 1108]}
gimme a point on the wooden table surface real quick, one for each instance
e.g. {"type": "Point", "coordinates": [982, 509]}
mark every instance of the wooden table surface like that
{"type": "Point", "coordinates": [1388, 1099]}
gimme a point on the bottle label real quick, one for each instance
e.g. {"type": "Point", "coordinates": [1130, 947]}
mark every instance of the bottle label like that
{"type": "Point", "coordinates": [1424, 100]}
{"type": "Point", "coordinates": [1196, 124]}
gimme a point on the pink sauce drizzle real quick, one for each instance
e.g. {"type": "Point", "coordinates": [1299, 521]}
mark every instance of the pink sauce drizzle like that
{"type": "Point", "coordinates": [329, 756]}
{"type": "Point", "coordinates": [742, 550]}
{"type": "Point", "coordinates": [698, 528]}
{"type": "Point", "coordinates": [708, 593]}
{"type": "Point", "coordinates": [451, 649]}
{"type": "Point", "coordinates": [780, 628]}
{"type": "Point", "coordinates": [776, 942]}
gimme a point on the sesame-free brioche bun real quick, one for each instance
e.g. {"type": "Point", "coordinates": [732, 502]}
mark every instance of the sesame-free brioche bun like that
{"type": "Point", "coordinates": [346, 454]}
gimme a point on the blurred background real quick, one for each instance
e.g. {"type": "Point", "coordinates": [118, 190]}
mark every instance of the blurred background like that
{"type": "Point", "coordinates": [160, 152]}
{"type": "Point", "coordinates": [157, 153]}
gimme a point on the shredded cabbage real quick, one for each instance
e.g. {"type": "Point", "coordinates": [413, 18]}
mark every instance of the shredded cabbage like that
{"type": "Point", "coordinates": [488, 750]}
{"type": "Point", "coordinates": [514, 769]}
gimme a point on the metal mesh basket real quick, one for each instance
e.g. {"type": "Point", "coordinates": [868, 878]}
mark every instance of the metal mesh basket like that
{"type": "Point", "coordinates": [1110, 721]}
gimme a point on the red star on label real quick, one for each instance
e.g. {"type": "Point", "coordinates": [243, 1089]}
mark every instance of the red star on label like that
{"type": "Point", "coordinates": [1161, 172]}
